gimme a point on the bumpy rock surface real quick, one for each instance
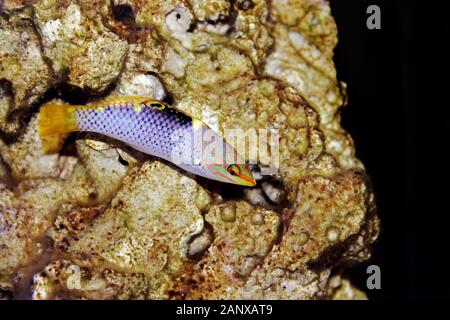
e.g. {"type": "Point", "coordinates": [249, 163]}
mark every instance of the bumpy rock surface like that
{"type": "Point", "coordinates": [24, 74]}
{"type": "Point", "coordinates": [79, 49]}
{"type": "Point", "coordinates": [98, 220]}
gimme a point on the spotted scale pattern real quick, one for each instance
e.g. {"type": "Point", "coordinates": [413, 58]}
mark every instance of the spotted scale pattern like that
{"type": "Point", "coordinates": [162, 132]}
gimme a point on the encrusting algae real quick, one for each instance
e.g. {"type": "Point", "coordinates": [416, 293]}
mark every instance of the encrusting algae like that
{"type": "Point", "coordinates": [97, 218]}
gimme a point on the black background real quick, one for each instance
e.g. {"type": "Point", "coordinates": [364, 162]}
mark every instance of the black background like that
{"type": "Point", "coordinates": [398, 117]}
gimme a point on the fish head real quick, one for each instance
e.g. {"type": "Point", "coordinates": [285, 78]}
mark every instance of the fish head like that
{"type": "Point", "coordinates": [234, 173]}
{"type": "Point", "coordinates": [221, 160]}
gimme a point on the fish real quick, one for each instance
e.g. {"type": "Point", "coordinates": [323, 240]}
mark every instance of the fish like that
{"type": "Point", "coordinates": [153, 127]}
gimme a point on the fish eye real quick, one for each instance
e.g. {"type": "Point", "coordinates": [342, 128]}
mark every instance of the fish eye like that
{"type": "Point", "coordinates": [233, 169]}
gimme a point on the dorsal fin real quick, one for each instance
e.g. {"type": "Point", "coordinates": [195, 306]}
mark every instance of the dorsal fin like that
{"type": "Point", "coordinates": [142, 101]}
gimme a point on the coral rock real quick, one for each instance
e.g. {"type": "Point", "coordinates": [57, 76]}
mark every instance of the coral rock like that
{"type": "Point", "coordinates": [23, 68]}
{"type": "Point", "coordinates": [124, 225]}
{"type": "Point", "coordinates": [79, 48]}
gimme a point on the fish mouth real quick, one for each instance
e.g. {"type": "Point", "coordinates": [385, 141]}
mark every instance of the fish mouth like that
{"type": "Point", "coordinates": [252, 183]}
{"type": "Point", "coordinates": [247, 181]}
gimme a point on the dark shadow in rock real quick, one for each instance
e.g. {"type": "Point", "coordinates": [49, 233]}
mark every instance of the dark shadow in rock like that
{"type": "Point", "coordinates": [124, 23]}
{"type": "Point", "coordinates": [6, 295]}
{"type": "Point", "coordinates": [245, 5]}
{"type": "Point", "coordinates": [123, 161]}
{"type": "Point", "coordinates": [21, 117]}
{"type": "Point", "coordinates": [69, 148]}
{"type": "Point", "coordinates": [198, 255]}
{"type": "Point", "coordinates": [334, 258]}
{"type": "Point", "coordinates": [23, 280]}
{"type": "Point", "coordinates": [75, 95]}
{"type": "Point", "coordinates": [227, 191]}
{"type": "Point", "coordinates": [124, 13]}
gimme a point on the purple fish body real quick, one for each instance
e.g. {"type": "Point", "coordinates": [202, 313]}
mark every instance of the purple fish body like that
{"type": "Point", "coordinates": [154, 128]}
{"type": "Point", "coordinates": [148, 130]}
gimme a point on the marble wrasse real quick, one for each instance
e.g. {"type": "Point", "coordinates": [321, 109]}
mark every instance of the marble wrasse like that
{"type": "Point", "coordinates": [155, 128]}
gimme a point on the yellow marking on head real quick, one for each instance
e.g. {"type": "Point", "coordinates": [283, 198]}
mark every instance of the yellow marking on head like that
{"type": "Point", "coordinates": [154, 105]}
{"type": "Point", "coordinates": [196, 123]}
{"type": "Point", "coordinates": [137, 108]}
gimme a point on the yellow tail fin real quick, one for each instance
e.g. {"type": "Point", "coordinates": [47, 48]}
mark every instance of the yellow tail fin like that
{"type": "Point", "coordinates": [57, 118]}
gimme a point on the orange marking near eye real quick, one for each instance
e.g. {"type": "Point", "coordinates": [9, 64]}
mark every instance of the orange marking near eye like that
{"type": "Point", "coordinates": [247, 178]}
